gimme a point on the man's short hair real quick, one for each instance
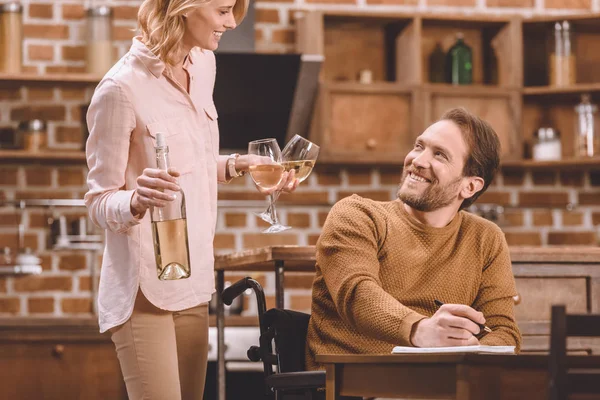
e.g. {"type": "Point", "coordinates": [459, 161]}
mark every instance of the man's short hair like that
{"type": "Point", "coordinates": [483, 148]}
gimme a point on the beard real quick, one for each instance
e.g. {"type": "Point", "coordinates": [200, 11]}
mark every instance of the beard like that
{"type": "Point", "coordinates": [433, 197]}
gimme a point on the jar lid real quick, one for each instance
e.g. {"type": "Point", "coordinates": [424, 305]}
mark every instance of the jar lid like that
{"type": "Point", "coordinates": [547, 134]}
{"type": "Point", "coordinates": [100, 11]}
{"type": "Point", "coordinates": [12, 7]}
{"type": "Point", "coordinates": [35, 125]}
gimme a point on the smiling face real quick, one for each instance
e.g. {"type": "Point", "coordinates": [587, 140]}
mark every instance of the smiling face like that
{"type": "Point", "coordinates": [205, 24]}
{"type": "Point", "coordinates": [433, 170]}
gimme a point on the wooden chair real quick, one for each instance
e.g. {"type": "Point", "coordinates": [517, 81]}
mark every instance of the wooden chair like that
{"type": "Point", "coordinates": [561, 381]}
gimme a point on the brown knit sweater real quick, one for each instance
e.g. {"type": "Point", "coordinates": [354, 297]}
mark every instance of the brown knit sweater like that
{"type": "Point", "coordinates": [379, 271]}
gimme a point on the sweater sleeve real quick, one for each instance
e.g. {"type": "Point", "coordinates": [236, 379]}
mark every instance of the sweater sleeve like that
{"type": "Point", "coordinates": [495, 298]}
{"type": "Point", "coordinates": [347, 254]}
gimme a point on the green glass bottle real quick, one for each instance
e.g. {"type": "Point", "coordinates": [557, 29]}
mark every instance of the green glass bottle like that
{"type": "Point", "coordinates": [437, 60]}
{"type": "Point", "coordinates": [459, 63]}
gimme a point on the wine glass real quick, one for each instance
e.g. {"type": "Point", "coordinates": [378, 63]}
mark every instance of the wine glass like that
{"type": "Point", "coordinates": [266, 169]}
{"type": "Point", "coordinates": [300, 155]}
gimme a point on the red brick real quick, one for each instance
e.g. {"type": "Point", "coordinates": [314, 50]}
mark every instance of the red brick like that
{"type": "Point", "coordinates": [233, 277]}
{"type": "Point", "coordinates": [299, 281]}
{"type": "Point", "coordinates": [267, 16]}
{"type": "Point", "coordinates": [523, 238]}
{"type": "Point", "coordinates": [237, 220]}
{"type": "Point", "coordinates": [572, 238]}
{"type": "Point", "coordinates": [301, 302]}
{"type": "Point", "coordinates": [270, 302]}
{"type": "Point", "coordinates": [510, 3]}
{"type": "Point", "coordinates": [125, 12]}
{"type": "Point", "coordinates": [258, 34]}
{"type": "Point", "coordinates": [494, 197]}
{"type": "Point", "coordinates": [72, 262]}
{"type": "Point", "coordinates": [40, 93]}
{"type": "Point", "coordinates": [11, 240]}
{"type": "Point", "coordinates": [43, 283]}
{"type": "Point", "coordinates": [389, 176]}
{"type": "Point", "coordinates": [572, 218]}
{"type": "Point", "coordinates": [46, 113]}
{"type": "Point", "coordinates": [46, 261]}
{"type": "Point", "coordinates": [359, 176]}
{"type": "Point", "coordinates": [251, 195]}
{"type": "Point", "coordinates": [45, 31]}
{"type": "Point", "coordinates": [67, 134]}
{"type": "Point", "coordinates": [595, 178]}
{"type": "Point", "coordinates": [285, 36]}
{"type": "Point", "coordinates": [452, 3]}
{"type": "Point", "coordinates": [513, 177]}
{"type": "Point", "coordinates": [85, 283]}
{"type": "Point", "coordinates": [328, 176]}
{"type": "Point", "coordinates": [38, 176]}
{"type": "Point", "coordinates": [542, 218]}
{"type": "Point", "coordinates": [41, 11]}
{"type": "Point", "coordinates": [76, 306]}
{"type": "Point", "coordinates": [252, 240]}
{"type": "Point", "coordinates": [544, 199]}
{"type": "Point", "coordinates": [224, 241]}
{"type": "Point", "coordinates": [259, 222]}
{"type": "Point", "coordinates": [298, 220]}
{"type": "Point", "coordinates": [571, 178]}
{"type": "Point", "coordinates": [10, 305]}
{"type": "Point", "coordinates": [304, 198]}
{"type": "Point", "coordinates": [70, 177]}
{"type": "Point", "coordinates": [8, 176]}
{"type": "Point", "coordinates": [73, 11]}
{"type": "Point", "coordinates": [38, 52]}
{"type": "Point", "coordinates": [589, 198]}
{"type": "Point", "coordinates": [513, 218]}
{"type": "Point", "coordinates": [40, 305]}
{"type": "Point", "coordinates": [64, 69]}
{"type": "Point", "coordinates": [379, 195]}
{"type": "Point", "coordinates": [122, 33]}
{"type": "Point", "coordinates": [569, 4]}
{"type": "Point", "coordinates": [10, 93]}
{"type": "Point", "coordinates": [543, 177]}
{"type": "Point", "coordinates": [3, 285]}
{"type": "Point", "coordinates": [9, 218]}
{"type": "Point", "coordinates": [312, 239]}
{"type": "Point", "coordinates": [55, 194]}
{"type": "Point", "coordinates": [322, 217]}
{"type": "Point", "coordinates": [596, 218]}
{"type": "Point", "coordinates": [72, 93]}
{"type": "Point", "coordinates": [73, 53]}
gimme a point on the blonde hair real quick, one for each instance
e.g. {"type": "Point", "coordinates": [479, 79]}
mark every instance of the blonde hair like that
{"type": "Point", "coordinates": [162, 24]}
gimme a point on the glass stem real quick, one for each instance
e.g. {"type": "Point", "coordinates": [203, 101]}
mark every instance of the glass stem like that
{"type": "Point", "coordinates": [271, 210]}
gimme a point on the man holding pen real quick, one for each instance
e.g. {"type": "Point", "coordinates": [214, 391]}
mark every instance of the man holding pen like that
{"type": "Point", "coordinates": [417, 271]}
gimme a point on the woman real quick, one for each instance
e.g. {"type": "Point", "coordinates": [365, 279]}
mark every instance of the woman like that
{"type": "Point", "coordinates": [163, 84]}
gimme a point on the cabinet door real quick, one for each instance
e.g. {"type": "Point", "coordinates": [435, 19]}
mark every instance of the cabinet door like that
{"type": "Point", "coordinates": [60, 371]}
{"type": "Point", "coordinates": [368, 123]}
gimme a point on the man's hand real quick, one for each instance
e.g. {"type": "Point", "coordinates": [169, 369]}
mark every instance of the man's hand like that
{"type": "Point", "coordinates": [451, 325]}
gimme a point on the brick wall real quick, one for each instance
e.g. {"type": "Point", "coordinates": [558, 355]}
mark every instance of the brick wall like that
{"type": "Point", "coordinates": [540, 207]}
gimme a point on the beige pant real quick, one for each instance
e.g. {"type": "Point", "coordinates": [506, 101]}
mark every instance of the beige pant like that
{"type": "Point", "coordinates": [163, 354]}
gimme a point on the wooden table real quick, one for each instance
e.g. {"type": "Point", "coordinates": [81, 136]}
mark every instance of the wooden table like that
{"type": "Point", "coordinates": [443, 376]}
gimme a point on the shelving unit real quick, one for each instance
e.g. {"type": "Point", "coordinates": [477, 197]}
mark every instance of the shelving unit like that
{"type": "Point", "coordinates": [378, 122]}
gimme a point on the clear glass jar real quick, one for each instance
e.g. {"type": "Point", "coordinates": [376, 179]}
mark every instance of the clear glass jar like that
{"type": "Point", "coordinates": [99, 55]}
{"type": "Point", "coordinates": [31, 135]}
{"type": "Point", "coordinates": [11, 37]}
{"type": "Point", "coordinates": [587, 137]}
{"type": "Point", "coordinates": [546, 144]}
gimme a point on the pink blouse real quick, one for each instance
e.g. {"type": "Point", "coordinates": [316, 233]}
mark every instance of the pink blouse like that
{"type": "Point", "coordinates": [135, 100]}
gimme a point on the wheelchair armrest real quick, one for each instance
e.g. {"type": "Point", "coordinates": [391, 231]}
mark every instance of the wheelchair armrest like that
{"type": "Point", "coordinates": [296, 380]}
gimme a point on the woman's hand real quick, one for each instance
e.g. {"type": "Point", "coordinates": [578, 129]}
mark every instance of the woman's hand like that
{"type": "Point", "coordinates": [152, 185]}
{"type": "Point", "coordinates": [288, 183]}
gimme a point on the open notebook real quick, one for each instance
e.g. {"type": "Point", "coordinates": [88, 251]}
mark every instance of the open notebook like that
{"type": "Point", "coordinates": [457, 349]}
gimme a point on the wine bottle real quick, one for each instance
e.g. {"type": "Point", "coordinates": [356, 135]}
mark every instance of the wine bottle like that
{"type": "Point", "coordinates": [169, 227]}
{"type": "Point", "coordinates": [459, 63]}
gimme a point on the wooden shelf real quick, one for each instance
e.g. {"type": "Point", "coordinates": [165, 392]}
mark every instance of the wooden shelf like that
{"type": "Point", "coordinates": [468, 90]}
{"type": "Point", "coordinates": [74, 156]}
{"type": "Point", "coordinates": [79, 78]}
{"type": "Point", "coordinates": [551, 90]}
{"type": "Point", "coordinates": [571, 163]}
{"type": "Point", "coordinates": [375, 87]}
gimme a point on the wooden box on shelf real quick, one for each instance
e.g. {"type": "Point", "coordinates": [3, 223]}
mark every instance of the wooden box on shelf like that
{"type": "Point", "coordinates": [378, 122]}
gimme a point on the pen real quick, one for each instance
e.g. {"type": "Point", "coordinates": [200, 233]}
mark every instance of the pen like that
{"type": "Point", "coordinates": [482, 327]}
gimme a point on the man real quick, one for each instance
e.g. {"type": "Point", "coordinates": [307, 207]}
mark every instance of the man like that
{"type": "Point", "coordinates": [381, 265]}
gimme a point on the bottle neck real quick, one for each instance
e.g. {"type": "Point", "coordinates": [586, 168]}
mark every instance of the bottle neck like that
{"type": "Point", "coordinates": [162, 158]}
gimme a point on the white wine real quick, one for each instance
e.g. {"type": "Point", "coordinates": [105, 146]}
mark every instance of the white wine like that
{"type": "Point", "coordinates": [169, 227]}
{"type": "Point", "coordinates": [303, 168]}
{"type": "Point", "coordinates": [266, 176]}
{"type": "Point", "coordinates": [171, 249]}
